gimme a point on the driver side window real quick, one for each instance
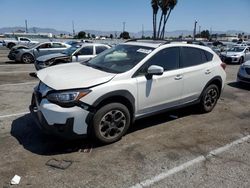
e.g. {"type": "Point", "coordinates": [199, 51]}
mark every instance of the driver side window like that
{"type": "Point", "coordinates": [167, 58]}
{"type": "Point", "coordinates": [88, 50]}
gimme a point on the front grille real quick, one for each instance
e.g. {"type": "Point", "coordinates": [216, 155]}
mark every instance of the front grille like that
{"type": "Point", "coordinates": [247, 70]}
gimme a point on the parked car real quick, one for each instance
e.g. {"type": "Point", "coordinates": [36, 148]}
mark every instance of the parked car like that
{"type": "Point", "coordinates": [73, 54]}
{"type": "Point", "coordinates": [243, 75]}
{"type": "Point", "coordinates": [29, 54]}
{"type": "Point", "coordinates": [237, 54]}
{"type": "Point", "coordinates": [18, 41]}
{"type": "Point", "coordinates": [103, 97]}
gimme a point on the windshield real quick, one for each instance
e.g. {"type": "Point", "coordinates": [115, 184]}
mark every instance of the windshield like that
{"type": "Point", "coordinates": [120, 58]}
{"type": "Point", "coordinates": [70, 51]}
{"type": "Point", "coordinates": [236, 49]}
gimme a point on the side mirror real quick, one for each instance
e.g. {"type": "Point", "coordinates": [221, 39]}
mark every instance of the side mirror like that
{"type": "Point", "coordinates": [155, 70]}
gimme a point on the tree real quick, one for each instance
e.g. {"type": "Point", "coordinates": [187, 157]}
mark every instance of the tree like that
{"type": "Point", "coordinates": [93, 36]}
{"type": "Point", "coordinates": [111, 36]}
{"type": "Point", "coordinates": [155, 7]}
{"type": "Point", "coordinates": [205, 34]}
{"type": "Point", "coordinates": [81, 35]}
{"type": "Point", "coordinates": [166, 7]}
{"type": "Point", "coordinates": [125, 35]}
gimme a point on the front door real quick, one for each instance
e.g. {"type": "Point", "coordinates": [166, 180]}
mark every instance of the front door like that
{"type": "Point", "coordinates": [163, 91]}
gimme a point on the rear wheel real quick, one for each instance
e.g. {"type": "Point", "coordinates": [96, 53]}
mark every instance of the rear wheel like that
{"type": "Point", "coordinates": [27, 58]}
{"type": "Point", "coordinates": [209, 98]}
{"type": "Point", "coordinates": [111, 122]}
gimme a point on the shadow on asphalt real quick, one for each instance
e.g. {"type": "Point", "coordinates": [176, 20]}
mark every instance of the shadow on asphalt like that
{"type": "Point", "coordinates": [34, 140]}
{"type": "Point", "coordinates": [239, 85]}
{"type": "Point", "coordinates": [13, 62]}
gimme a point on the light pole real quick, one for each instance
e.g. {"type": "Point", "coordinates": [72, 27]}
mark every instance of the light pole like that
{"type": "Point", "coordinates": [195, 23]}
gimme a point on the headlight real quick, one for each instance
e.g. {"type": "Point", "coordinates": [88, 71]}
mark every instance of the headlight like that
{"type": "Point", "coordinates": [67, 98]}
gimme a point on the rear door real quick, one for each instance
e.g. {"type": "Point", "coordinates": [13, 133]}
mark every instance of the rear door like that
{"type": "Point", "coordinates": [197, 69]}
{"type": "Point", "coordinates": [247, 54]}
{"type": "Point", "coordinates": [163, 91]}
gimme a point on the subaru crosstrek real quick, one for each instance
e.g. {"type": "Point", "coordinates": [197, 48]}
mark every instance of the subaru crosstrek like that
{"type": "Point", "coordinates": [103, 97]}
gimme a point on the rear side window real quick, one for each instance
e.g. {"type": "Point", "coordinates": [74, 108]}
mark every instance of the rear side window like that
{"type": "Point", "coordinates": [209, 56]}
{"type": "Point", "coordinates": [167, 58]}
{"type": "Point", "coordinates": [58, 45]}
{"type": "Point", "coordinates": [100, 49]}
{"type": "Point", "coordinates": [194, 56]}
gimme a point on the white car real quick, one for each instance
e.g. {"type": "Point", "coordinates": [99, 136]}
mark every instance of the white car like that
{"type": "Point", "coordinates": [243, 75]}
{"type": "Point", "coordinates": [133, 80]}
{"type": "Point", "coordinates": [237, 54]}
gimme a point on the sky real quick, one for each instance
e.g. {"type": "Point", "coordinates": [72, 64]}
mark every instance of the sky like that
{"type": "Point", "coordinates": [109, 15]}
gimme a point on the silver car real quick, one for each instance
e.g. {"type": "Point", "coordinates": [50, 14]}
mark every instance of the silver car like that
{"type": "Point", "coordinates": [29, 54]}
{"type": "Point", "coordinates": [72, 54]}
{"type": "Point", "coordinates": [237, 54]}
{"type": "Point", "coordinates": [244, 73]}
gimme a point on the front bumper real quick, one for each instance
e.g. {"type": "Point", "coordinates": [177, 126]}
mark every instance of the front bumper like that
{"type": "Point", "coordinates": [69, 123]}
{"type": "Point", "coordinates": [230, 59]}
{"type": "Point", "coordinates": [244, 75]}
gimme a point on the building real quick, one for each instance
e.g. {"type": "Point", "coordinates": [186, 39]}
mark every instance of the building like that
{"type": "Point", "coordinates": [29, 35]}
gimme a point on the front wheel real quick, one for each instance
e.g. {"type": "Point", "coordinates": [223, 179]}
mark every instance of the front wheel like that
{"type": "Point", "coordinates": [209, 98]}
{"type": "Point", "coordinates": [111, 122]}
{"type": "Point", "coordinates": [27, 58]}
{"type": "Point", "coordinates": [241, 60]}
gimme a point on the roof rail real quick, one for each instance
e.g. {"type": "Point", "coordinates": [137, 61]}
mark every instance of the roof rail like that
{"type": "Point", "coordinates": [187, 41]}
{"type": "Point", "coordinates": [147, 40]}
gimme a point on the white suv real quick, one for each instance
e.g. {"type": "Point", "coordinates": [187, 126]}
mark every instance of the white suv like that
{"type": "Point", "coordinates": [136, 79]}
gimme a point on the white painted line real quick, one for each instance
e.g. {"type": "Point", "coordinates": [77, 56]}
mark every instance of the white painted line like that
{"type": "Point", "coordinates": [201, 158]}
{"type": "Point", "coordinates": [16, 72]}
{"type": "Point", "coordinates": [23, 83]}
{"type": "Point", "coordinates": [11, 115]}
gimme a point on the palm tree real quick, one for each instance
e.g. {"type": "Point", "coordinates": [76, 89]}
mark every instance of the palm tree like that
{"type": "Point", "coordinates": [164, 5]}
{"type": "Point", "coordinates": [155, 7]}
{"type": "Point", "coordinates": [171, 5]}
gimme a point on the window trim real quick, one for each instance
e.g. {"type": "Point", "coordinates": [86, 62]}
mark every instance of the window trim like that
{"type": "Point", "coordinates": [136, 74]}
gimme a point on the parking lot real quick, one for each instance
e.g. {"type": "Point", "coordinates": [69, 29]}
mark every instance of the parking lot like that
{"type": "Point", "coordinates": [180, 148]}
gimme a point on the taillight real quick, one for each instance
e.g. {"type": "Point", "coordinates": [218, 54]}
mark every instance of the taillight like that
{"type": "Point", "coordinates": [223, 65]}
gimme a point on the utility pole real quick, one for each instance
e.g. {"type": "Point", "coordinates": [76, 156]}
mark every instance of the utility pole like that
{"type": "Point", "coordinates": [73, 27]}
{"type": "Point", "coordinates": [124, 26]}
{"type": "Point", "coordinates": [199, 29]}
{"type": "Point", "coordinates": [26, 26]}
{"type": "Point", "coordinates": [195, 23]}
{"type": "Point", "coordinates": [142, 32]}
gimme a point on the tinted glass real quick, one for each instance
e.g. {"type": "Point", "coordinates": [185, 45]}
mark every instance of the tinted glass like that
{"type": "Point", "coordinates": [167, 58]}
{"type": "Point", "coordinates": [191, 57]}
{"type": "Point", "coordinates": [209, 56]}
{"type": "Point", "coordinates": [87, 50]}
{"type": "Point", "coordinates": [23, 39]}
{"type": "Point", "coordinates": [45, 45]}
{"type": "Point", "coordinates": [57, 45]}
{"type": "Point", "coordinates": [100, 49]}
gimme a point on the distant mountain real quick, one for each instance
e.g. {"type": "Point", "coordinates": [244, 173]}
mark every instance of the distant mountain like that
{"type": "Point", "coordinates": [175, 33]}
{"type": "Point", "coordinates": [32, 30]}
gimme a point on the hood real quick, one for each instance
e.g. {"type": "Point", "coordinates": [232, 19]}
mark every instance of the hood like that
{"type": "Point", "coordinates": [72, 76]}
{"type": "Point", "coordinates": [231, 53]}
{"type": "Point", "coordinates": [247, 63]}
{"type": "Point", "coordinates": [51, 56]}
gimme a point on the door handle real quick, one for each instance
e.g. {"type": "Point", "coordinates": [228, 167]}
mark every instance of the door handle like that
{"type": "Point", "coordinates": [178, 77]}
{"type": "Point", "coordinates": [207, 71]}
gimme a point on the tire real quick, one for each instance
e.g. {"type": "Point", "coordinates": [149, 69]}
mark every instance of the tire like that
{"type": "Point", "coordinates": [10, 45]}
{"type": "Point", "coordinates": [27, 58]}
{"type": "Point", "coordinates": [209, 98]}
{"type": "Point", "coordinates": [111, 122]}
{"type": "Point", "coordinates": [241, 60]}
